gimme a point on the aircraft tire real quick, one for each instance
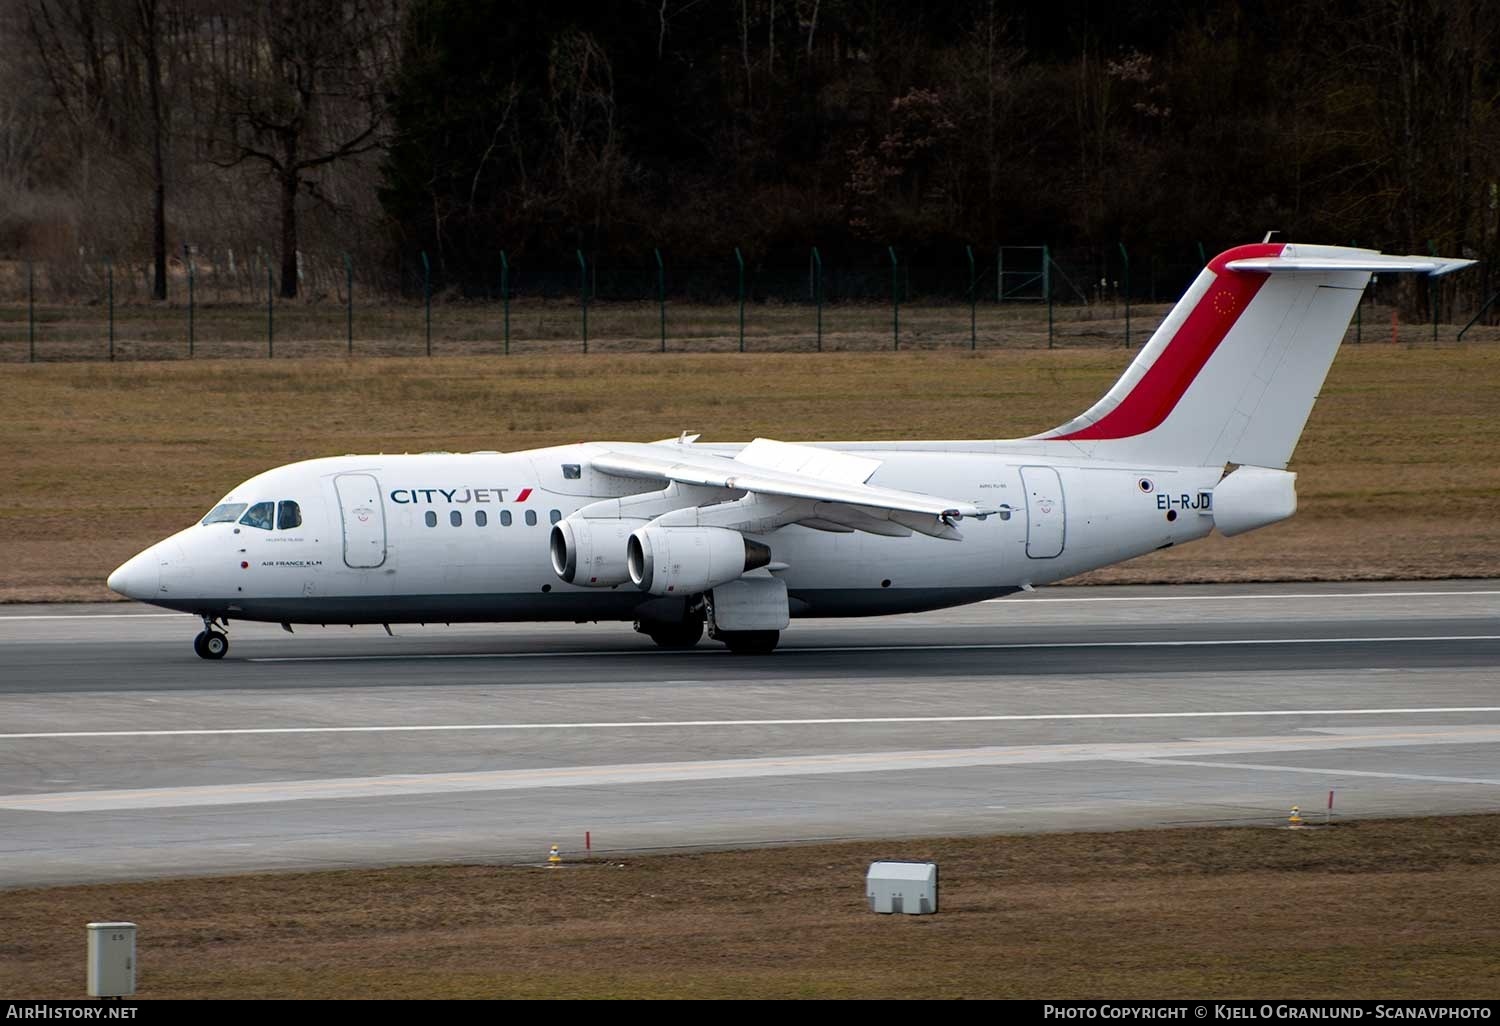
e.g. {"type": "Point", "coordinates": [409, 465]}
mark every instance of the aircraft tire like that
{"type": "Point", "coordinates": [211, 645]}
{"type": "Point", "coordinates": [750, 642]}
{"type": "Point", "coordinates": [677, 636]}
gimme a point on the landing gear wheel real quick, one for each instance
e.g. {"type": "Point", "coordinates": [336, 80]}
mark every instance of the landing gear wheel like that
{"type": "Point", "coordinates": [750, 642]}
{"type": "Point", "coordinates": [676, 636]}
{"type": "Point", "coordinates": [211, 645]}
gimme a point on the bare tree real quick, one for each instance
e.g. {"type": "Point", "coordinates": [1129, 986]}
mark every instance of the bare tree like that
{"type": "Point", "coordinates": [105, 65]}
{"type": "Point", "coordinates": [297, 87]}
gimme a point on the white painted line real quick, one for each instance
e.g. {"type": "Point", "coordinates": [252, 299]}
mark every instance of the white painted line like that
{"type": "Point", "coordinates": [1242, 597]}
{"type": "Point", "coordinates": [791, 649]}
{"type": "Point", "coordinates": [1011, 599]}
{"type": "Point", "coordinates": [810, 722]}
{"type": "Point", "coordinates": [1267, 767]}
{"type": "Point", "coordinates": [94, 616]}
{"type": "Point", "coordinates": [385, 787]}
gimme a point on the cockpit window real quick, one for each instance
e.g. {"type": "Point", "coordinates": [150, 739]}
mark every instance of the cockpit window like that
{"type": "Point", "coordinates": [227, 513]}
{"type": "Point", "coordinates": [259, 515]}
{"type": "Point", "coordinates": [288, 516]}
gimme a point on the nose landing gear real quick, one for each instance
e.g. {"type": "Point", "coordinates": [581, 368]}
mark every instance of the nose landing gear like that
{"type": "Point", "coordinates": [211, 642]}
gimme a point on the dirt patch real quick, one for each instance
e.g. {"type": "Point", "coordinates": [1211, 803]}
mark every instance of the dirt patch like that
{"type": "Point", "coordinates": [1398, 909]}
{"type": "Point", "coordinates": [102, 460]}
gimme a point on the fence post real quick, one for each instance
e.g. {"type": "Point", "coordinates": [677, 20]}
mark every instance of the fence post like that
{"type": "Point", "coordinates": [661, 297]}
{"type": "Point", "coordinates": [427, 298]}
{"type": "Point", "coordinates": [1126, 257]}
{"type": "Point", "coordinates": [270, 316]}
{"type": "Point", "coordinates": [31, 311]}
{"type": "Point", "coordinates": [895, 300]}
{"type": "Point", "coordinates": [741, 261]}
{"type": "Point", "coordinates": [999, 274]}
{"type": "Point", "coordinates": [109, 271]}
{"type": "Point", "coordinates": [1477, 317]}
{"type": "Point", "coordinates": [349, 303]}
{"type": "Point", "coordinates": [505, 296]}
{"type": "Point", "coordinates": [583, 296]}
{"type": "Point", "coordinates": [973, 298]}
{"type": "Point", "coordinates": [1047, 289]}
{"type": "Point", "coordinates": [817, 259]}
{"type": "Point", "coordinates": [1434, 291]}
{"type": "Point", "coordinates": [187, 256]}
{"type": "Point", "coordinates": [1358, 315]}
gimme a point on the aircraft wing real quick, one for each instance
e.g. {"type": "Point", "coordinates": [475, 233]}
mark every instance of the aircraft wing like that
{"type": "Point", "coordinates": [830, 484]}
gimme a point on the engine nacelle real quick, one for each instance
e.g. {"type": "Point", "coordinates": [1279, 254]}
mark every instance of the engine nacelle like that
{"type": "Point", "coordinates": [686, 560]}
{"type": "Point", "coordinates": [591, 553]}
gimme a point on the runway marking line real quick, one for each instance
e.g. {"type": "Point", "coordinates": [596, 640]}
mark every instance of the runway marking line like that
{"type": "Point", "coordinates": [1319, 771]}
{"type": "Point", "coordinates": [1011, 599]}
{"type": "Point", "coordinates": [821, 649]}
{"type": "Point", "coordinates": [1242, 597]}
{"type": "Point", "coordinates": [529, 778]}
{"type": "Point", "coordinates": [813, 722]}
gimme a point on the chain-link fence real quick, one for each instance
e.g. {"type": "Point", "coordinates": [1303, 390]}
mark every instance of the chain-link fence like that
{"type": "Point", "coordinates": [226, 304]}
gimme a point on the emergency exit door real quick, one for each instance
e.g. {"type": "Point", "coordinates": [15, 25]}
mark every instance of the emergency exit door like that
{"type": "Point", "coordinates": [364, 520]}
{"type": "Point", "coordinates": [1046, 518]}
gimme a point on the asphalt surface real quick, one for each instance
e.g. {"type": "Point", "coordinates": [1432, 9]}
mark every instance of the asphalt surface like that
{"type": "Point", "coordinates": [123, 755]}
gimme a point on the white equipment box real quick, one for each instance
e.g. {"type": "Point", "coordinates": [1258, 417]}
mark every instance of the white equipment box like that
{"type": "Point", "coordinates": [906, 887]}
{"type": "Point", "coordinates": [111, 959]}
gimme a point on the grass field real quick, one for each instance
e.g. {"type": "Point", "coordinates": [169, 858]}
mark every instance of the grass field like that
{"type": "Point", "coordinates": [1373, 909]}
{"type": "Point", "coordinates": [1397, 471]}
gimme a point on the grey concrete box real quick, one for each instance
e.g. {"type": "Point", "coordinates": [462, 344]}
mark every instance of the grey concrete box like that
{"type": "Point", "coordinates": [111, 959]}
{"type": "Point", "coordinates": [906, 887]}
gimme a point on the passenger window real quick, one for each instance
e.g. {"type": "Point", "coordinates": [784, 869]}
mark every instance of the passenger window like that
{"type": "Point", "coordinates": [259, 515]}
{"type": "Point", "coordinates": [456, 518]}
{"type": "Point", "coordinates": [554, 516]}
{"type": "Point", "coordinates": [572, 471]}
{"type": "Point", "coordinates": [288, 516]}
{"type": "Point", "coordinates": [505, 518]}
{"type": "Point", "coordinates": [481, 517]}
{"type": "Point", "coordinates": [531, 518]}
{"type": "Point", "coordinates": [431, 519]}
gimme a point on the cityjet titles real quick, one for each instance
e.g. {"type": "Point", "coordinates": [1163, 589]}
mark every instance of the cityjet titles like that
{"type": "Point", "coordinates": [433, 496]}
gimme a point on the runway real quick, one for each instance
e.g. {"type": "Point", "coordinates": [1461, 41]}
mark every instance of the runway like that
{"type": "Point", "coordinates": [122, 755]}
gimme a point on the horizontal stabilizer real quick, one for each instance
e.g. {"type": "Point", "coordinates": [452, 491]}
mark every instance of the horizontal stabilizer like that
{"type": "Point", "coordinates": [1349, 260]}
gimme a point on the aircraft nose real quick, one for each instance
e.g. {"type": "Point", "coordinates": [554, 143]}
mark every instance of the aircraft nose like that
{"type": "Point", "coordinates": [137, 578]}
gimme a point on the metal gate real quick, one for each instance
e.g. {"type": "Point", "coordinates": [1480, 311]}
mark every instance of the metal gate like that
{"type": "Point", "coordinates": [364, 520]}
{"type": "Point", "coordinates": [1046, 518]}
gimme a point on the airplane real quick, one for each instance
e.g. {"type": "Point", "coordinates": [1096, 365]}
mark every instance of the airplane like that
{"type": "Point", "coordinates": [679, 536]}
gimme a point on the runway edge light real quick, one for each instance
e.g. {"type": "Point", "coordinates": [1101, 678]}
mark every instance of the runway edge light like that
{"type": "Point", "coordinates": [111, 959]}
{"type": "Point", "coordinates": [1295, 819]}
{"type": "Point", "coordinates": [553, 858]}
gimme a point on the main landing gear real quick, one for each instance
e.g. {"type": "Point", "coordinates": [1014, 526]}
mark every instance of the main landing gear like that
{"type": "Point", "coordinates": [674, 637]}
{"type": "Point", "coordinates": [211, 642]}
{"type": "Point", "coordinates": [749, 642]}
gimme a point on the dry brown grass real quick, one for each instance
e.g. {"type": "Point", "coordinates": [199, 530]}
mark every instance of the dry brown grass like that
{"type": "Point", "coordinates": [1397, 471]}
{"type": "Point", "coordinates": [1398, 909]}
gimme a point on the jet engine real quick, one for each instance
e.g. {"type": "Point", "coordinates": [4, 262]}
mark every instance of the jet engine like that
{"type": "Point", "coordinates": [686, 560]}
{"type": "Point", "coordinates": [591, 553]}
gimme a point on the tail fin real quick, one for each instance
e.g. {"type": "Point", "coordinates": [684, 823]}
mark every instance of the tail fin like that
{"type": "Point", "coordinates": [1231, 374]}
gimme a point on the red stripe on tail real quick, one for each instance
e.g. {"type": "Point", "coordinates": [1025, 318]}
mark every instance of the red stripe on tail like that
{"type": "Point", "coordinates": [1165, 382]}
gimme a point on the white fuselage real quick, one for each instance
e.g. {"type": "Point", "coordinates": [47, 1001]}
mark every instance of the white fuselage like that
{"type": "Point", "coordinates": [447, 537]}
